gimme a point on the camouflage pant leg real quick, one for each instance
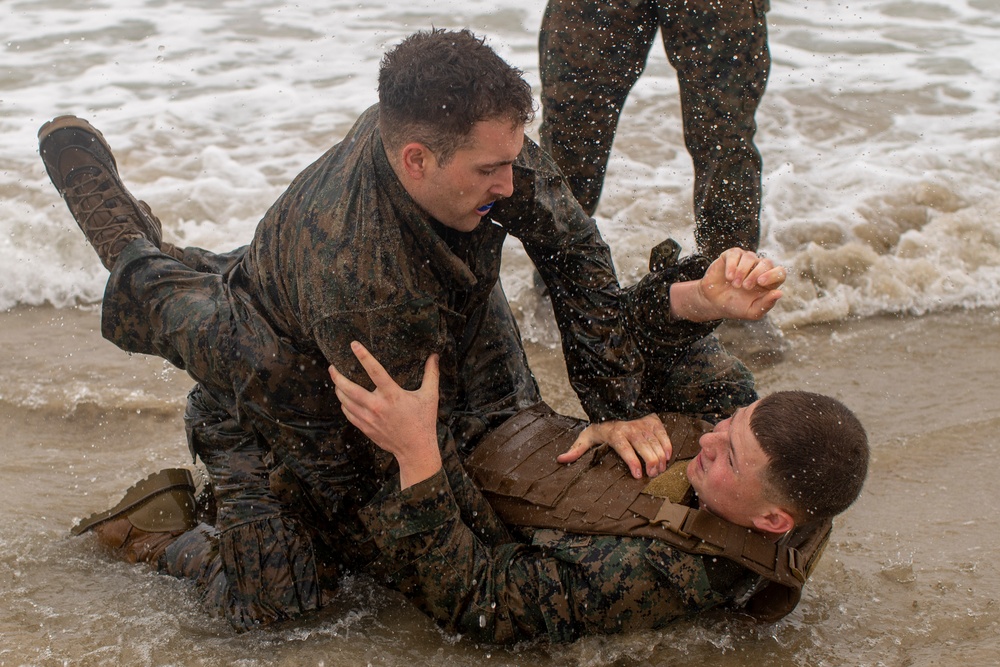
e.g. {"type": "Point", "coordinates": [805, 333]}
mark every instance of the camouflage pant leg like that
{"type": "Point", "coordinates": [701, 380]}
{"type": "Point", "coordinates": [591, 53]}
{"type": "Point", "coordinates": [260, 563]}
{"type": "Point", "coordinates": [258, 573]}
{"type": "Point", "coordinates": [720, 52]}
{"type": "Point", "coordinates": [155, 305]}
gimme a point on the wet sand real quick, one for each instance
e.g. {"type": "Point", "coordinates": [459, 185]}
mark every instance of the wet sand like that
{"type": "Point", "coordinates": [910, 577]}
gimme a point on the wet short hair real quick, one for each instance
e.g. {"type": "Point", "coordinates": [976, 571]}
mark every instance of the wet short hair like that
{"type": "Point", "coordinates": [817, 453]}
{"type": "Point", "coordinates": [434, 86]}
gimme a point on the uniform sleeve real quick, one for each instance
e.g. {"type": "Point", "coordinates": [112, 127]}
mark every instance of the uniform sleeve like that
{"type": "Point", "coordinates": [561, 587]}
{"type": "Point", "coordinates": [574, 261]}
{"type": "Point", "coordinates": [646, 305]}
{"type": "Point", "coordinates": [400, 335]}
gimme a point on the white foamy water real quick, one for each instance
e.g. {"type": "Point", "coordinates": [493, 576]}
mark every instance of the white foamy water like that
{"type": "Point", "coordinates": [878, 130]}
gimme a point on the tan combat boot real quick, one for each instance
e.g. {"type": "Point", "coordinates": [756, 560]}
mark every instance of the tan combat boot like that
{"type": "Point", "coordinates": [148, 519]}
{"type": "Point", "coordinates": [81, 166]}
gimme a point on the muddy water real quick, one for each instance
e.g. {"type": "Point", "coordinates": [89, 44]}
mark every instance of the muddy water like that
{"type": "Point", "coordinates": [909, 579]}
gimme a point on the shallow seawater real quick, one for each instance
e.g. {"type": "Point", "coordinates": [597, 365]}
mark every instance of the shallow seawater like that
{"type": "Point", "coordinates": [908, 579]}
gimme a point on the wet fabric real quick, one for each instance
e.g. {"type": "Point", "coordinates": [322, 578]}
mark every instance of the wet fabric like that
{"type": "Point", "coordinates": [592, 52]}
{"type": "Point", "coordinates": [345, 254]}
{"type": "Point", "coordinates": [270, 555]}
{"type": "Point", "coordinates": [558, 585]}
{"type": "Point", "coordinates": [516, 469]}
{"type": "Point", "coordinates": [263, 420]}
{"type": "Point", "coordinates": [276, 548]}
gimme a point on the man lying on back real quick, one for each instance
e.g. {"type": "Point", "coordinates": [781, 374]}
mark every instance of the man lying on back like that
{"type": "Point", "coordinates": [739, 517]}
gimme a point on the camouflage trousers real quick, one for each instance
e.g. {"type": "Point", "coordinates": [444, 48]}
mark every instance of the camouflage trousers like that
{"type": "Point", "coordinates": [592, 52]}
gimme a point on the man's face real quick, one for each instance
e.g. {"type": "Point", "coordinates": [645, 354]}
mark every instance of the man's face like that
{"type": "Point", "coordinates": [459, 194]}
{"type": "Point", "coordinates": [727, 472]}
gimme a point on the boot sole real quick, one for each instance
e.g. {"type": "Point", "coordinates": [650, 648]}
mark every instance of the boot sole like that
{"type": "Point", "coordinates": [60, 122]}
{"type": "Point", "coordinates": [138, 494]}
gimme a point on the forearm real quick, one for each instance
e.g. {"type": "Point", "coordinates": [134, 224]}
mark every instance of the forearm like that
{"type": "Point", "coordinates": [575, 262]}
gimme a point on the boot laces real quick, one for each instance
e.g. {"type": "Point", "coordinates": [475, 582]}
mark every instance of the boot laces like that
{"type": "Point", "coordinates": [104, 218]}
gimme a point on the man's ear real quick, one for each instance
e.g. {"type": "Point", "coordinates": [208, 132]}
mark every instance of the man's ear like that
{"type": "Point", "coordinates": [775, 520]}
{"type": "Point", "coordinates": [415, 159]}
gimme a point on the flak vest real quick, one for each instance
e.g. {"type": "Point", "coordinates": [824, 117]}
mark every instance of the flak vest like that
{"type": "Point", "coordinates": [516, 468]}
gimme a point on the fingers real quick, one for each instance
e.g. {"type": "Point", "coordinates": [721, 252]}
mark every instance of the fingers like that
{"type": "Point", "coordinates": [432, 376]}
{"type": "Point", "coordinates": [747, 270]}
{"type": "Point", "coordinates": [764, 304]}
{"type": "Point", "coordinates": [641, 442]}
{"type": "Point", "coordinates": [346, 389]}
{"type": "Point", "coordinates": [643, 448]}
{"type": "Point", "coordinates": [401, 422]}
{"type": "Point", "coordinates": [371, 365]}
{"type": "Point", "coordinates": [357, 403]}
{"type": "Point", "coordinates": [739, 264]}
{"type": "Point", "coordinates": [596, 434]}
{"type": "Point", "coordinates": [588, 438]}
{"type": "Point", "coordinates": [661, 442]}
{"type": "Point", "coordinates": [628, 455]}
{"type": "Point", "coordinates": [773, 278]}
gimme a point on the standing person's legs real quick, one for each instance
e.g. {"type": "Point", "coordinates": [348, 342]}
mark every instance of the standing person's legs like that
{"type": "Point", "coordinates": [591, 53]}
{"type": "Point", "coordinates": [722, 60]}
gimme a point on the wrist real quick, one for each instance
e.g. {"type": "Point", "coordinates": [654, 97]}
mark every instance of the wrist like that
{"type": "Point", "coordinates": [687, 302]}
{"type": "Point", "coordinates": [418, 463]}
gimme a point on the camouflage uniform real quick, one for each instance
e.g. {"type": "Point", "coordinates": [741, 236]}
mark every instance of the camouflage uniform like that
{"type": "Point", "coordinates": [592, 53]}
{"type": "Point", "coordinates": [345, 254]}
{"type": "Point", "coordinates": [556, 585]}
{"type": "Point", "coordinates": [274, 554]}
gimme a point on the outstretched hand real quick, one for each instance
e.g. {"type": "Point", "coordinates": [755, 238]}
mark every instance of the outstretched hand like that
{"type": "Point", "coordinates": [739, 285]}
{"type": "Point", "coordinates": [401, 422]}
{"type": "Point", "coordinates": [645, 437]}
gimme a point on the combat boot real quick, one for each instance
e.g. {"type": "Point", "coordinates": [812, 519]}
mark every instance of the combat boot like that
{"type": "Point", "coordinates": [81, 166]}
{"type": "Point", "coordinates": [153, 513]}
